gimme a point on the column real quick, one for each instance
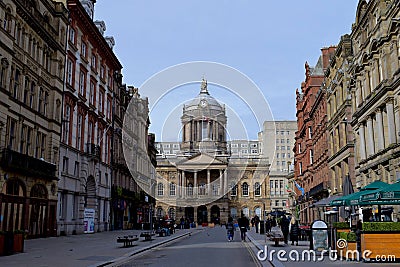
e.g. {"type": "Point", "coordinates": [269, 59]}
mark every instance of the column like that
{"type": "Point", "coordinates": [363, 153]}
{"type": "Point", "coordinates": [391, 122]}
{"type": "Point", "coordinates": [397, 123]}
{"type": "Point", "coordinates": [195, 184]}
{"type": "Point", "coordinates": [370, 131]}
{"type": "Point", "coordinates": [381, 138]}
{"type": "Point", "coordinates": [208, 183]}
{"type": "Point", "coordinates": [208, 130]}
{"type": "Point", "coordinates": [225, 181]}
{"type": "Point", "coordinates": [220, 182]}
{"type": "Point", "coordinates": [183, 184]}
{"type": "Point", "coordinates": [179, 184]}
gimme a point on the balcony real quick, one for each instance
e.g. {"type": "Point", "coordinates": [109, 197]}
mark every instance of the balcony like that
{"type": "Point", "coordinates": [93, 150]}
{"type": "Point", "coordinates": [27, 165]}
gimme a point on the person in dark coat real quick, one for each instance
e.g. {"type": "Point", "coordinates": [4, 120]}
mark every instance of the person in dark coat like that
{"type": "Point", "coordinates": [285, 228]}
{"type": "Point", "coordinates": [256, 222]}
{"type": "Point", "coordinates": [243, 225]}
{"type": "Point", "coordinates": [294, 231]}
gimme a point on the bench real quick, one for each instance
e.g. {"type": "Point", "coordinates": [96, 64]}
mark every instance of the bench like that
{"type": "Point", "coordinates": [127, 240]}
{"type": "Point", "coordinates": [147, 235]}
{"type": "Point", "coordinates": [276, 235]}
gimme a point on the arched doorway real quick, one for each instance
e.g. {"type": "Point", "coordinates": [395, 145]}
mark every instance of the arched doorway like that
{"type": "Point", "coordinates": [202, 214]}
{"type": "Point", "coordinates": [13, 205]}
{"type": "Point", "coordinates": [38, 221]}
{"type": "Point", "coordinates": [215, 214]}
{"type": "Point", "coordinates": [189, 213]}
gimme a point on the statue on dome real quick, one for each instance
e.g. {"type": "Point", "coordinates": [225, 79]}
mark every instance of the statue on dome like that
{"type": "Point", "coordinates": [203, 86]}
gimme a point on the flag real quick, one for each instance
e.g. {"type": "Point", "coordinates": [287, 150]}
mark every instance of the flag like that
{"type": "Point", "coordinates": [288, 189]}
{"type": "Point", "coordinates": [300, 188]}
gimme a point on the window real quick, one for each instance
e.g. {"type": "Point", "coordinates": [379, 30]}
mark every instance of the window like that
{"type": "Point", "coordinates": [84, 50]}
{"type": "Point", "coordinates": [245, 190]}
{"type": "Point", "coordinates": [288, 148]}
{"type": "Point", "coordinates": [172, 189]}
{"type": "Point", "coordinates": [300, 168]}
{"type": "Point", "coordinates": [277, 155]}
{"type": "Point", "coordinates": [102, 72]}
{"type": "Point", "coordinates": [311, 156]}
{"type": "Point", "coordinates": [26, 91]}
{"type": "Point", "coordinates": [11, 133]}
{"type": "Point", "coordinates": [282, 141]}
{"type": "Point", "coordinates": [3, 73]}
{"type": "Point", "coordinates": [202, 189]}
{"type": "Point", "coordinates": [106, 178]}
{"type": "Point", "coordinates": [271, 184]}
{"type": "Point", "coordinates": [65, 164]}
{"type": "Point", "coordinates": [90, 132]}
{"type": "Point", "coordinates": [67, 125]}
{"type": "Point", "coordinates": [171, 213]}
{"type": "Point", "coordinates": [94, 62]}
{"type": "Point", "coordinates": [71, 36]}
{"type": "Point", "coordinates": [32, 95]}
{"type": "Point", "coordinates": [101, 101]}
{"type": "Point", "coordinates": [22, 140]}
{"type": "Point", "coordinates": [243, 145]}
{"type": "Point", "coordinates": [40, 100]}
{"type": "Point", "coordinates": [160, 189]}
{"type": "Point", "coordinates": [299, 148]}
{"type": "Point", "coordinates": [233, 190]}
{"type": "Point", "coordinates": [190, 190]}
{"type": "Point", "coordinates": [16, 84]}
{"type": "Point", "coordinates": [45, 103]}
{"type": "Point", "coordinates": [276, 202]}
{"type": "Point", "coordinates": [82, 83]}
{"type": "Point", "coordinates": [43, 146]}
{"type": "Point", "coordinates": [76, 169]}
{"type": "Point", "coordinates": [79, 132]}
{"type": "Point", "coordinates": [288, 141]}
{"type": "Point", "coordinates": [257, 189]}
{"type": "Point", "coordinates": [70, 70]}
{"type": "Point", "coordinates": [28, 141]}
{"type": "Point", "coordinates": [284, 203]}
{"type": "Point", "coordinates": [215, 190]}
{"type": "Point", "coordinates": [92, 93]}
{"type": "Point", "coordinates": [309, 132]}
{"type": "Point", "coordinates": [108, 108]}
{"type": "Point", "coordinates": [283, 155]}
{"type": "Point", "coordinates": [281, 183]}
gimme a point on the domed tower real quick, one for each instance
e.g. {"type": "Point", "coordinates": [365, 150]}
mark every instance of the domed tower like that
{"type": "Point", "coordinates": [204, 124]}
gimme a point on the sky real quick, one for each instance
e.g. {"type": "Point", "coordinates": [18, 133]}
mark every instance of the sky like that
{"type": "Point", "coordinates": [265, 42]}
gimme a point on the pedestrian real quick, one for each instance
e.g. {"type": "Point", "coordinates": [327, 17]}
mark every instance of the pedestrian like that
{"type": "Point", "coordinates": [285, 228]}
{"type": "Point", "coordinates": [294, 231]}
{"type": "Point", "coordinates": [230, 229]}
{"type": "Point", "coordinates": [256, 222]}
{"type": "Point", "coordinates": [182, 223]}
{"type": "Point", "coordinates": [252, 222]}
{"type": "Point", "coordinates": [243, 225]}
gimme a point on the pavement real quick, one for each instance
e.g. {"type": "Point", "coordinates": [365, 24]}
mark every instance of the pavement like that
{"type": "Point", "coordinates": [99, 249]}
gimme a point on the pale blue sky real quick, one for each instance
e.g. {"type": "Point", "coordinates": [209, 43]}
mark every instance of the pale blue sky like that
{"type": "Point", "coordinates": [269, 41]}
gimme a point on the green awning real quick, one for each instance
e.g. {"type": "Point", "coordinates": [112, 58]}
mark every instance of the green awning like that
{"type": "Point", "coordinates": [388, 195]}
{"type": "Point", "coordinates": [355, 198]}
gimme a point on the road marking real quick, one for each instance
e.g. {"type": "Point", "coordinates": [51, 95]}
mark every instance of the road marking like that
{"type": "Point", "coordinates": [253, 256]}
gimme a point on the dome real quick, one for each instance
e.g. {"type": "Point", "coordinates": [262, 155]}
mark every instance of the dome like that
{"type": "Point", "coordinates": [204, 102]}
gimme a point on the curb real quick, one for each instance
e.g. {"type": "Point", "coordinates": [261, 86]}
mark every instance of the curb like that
{"type": "Point", "coordinates": [128, 255]}
{"type": "Point", "coordinates": [260, 247]}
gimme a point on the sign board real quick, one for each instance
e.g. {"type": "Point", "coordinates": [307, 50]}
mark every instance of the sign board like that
{"type": "Point", "coordinates": [88, 221]}
{"type": "Point", "coordinates": [320, 236]}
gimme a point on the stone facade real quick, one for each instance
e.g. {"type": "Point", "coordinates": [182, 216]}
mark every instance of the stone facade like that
{"type": "Point", "coordinates": [203, 182]}
{"type": "Point", "coordinates": [90, 105]}
{"type": "Point", "coordinates": [32, 57]}
{"type": "Point", "coordinates": [311, 147]}
{"type": "Point", "coordinates": [376, 92]}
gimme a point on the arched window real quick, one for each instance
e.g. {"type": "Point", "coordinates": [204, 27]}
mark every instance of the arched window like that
{"type": "Point", "coordinates": [246, 212]}
{"type": "Point", "coordinates": [190, 190]}
{"type": "Point", "coordinates": [257, 189]}
{"type": "Point", "coordinates": [233, 189]}
{"type": "Point", "coordinates": [202, 189]}
{"type": "Point", "coordinates": [39, 191]}
{"type": "Point", "coordinates": [215, 190]}
{"type": "Point", "coordinates": [245, 189]}
{"type": "Point", "coordinates": [257, 211]}
{"type": "Point", "coordinates": [171, 213]}
{"type": "Point", "coordinates": [160, 212]}
{"type": "Point", "coordinates": [160, 189]}
{"type": "Point", "coordinates": [172, 189]}
{"type": "Point", "coordinates": [14, 187]}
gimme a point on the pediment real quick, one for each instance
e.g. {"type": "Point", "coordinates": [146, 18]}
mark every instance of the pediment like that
{"type": "Point", "coordinates": [200, 160]}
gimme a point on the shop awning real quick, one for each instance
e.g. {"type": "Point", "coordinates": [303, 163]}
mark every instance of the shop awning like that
{"type": "Point", "coordinates": [355, 198]}
{"type": "Point", "coordinates": [326, 201]}
{"type": "Point", "coordinates": [388, 195]}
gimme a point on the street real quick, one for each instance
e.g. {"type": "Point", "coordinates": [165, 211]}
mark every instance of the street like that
{"type": "Point", "coordinates": [203, 248]}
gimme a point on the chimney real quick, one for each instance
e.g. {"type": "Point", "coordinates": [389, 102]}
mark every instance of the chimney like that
{"type": "Point", "coordinates": [101, 26]}
{"type": "Point", "coordinates": [327, 53]}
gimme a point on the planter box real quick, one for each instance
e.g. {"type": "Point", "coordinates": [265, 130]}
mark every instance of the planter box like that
{"type": "Point", "coordinates": [381, 243]}
{"type": "Point", "coordinates": [2, 237]}
{"type": "Point", "coordinates": [342, 252]}
{"type": "Point", "coordinates": [18, 243]}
